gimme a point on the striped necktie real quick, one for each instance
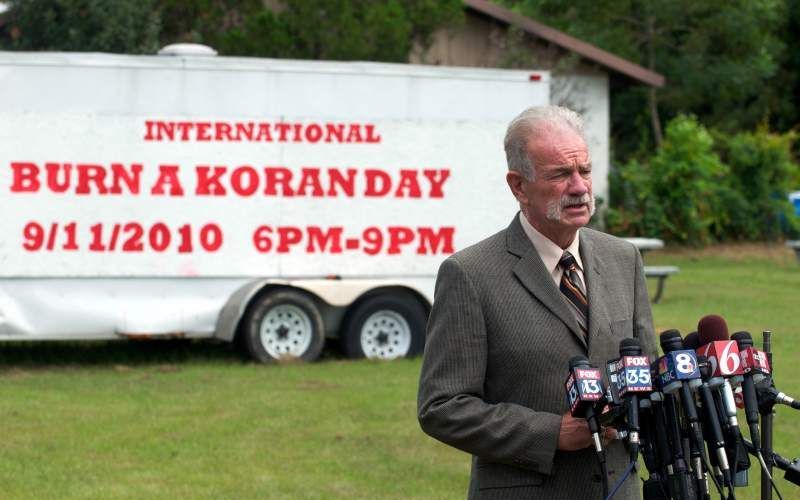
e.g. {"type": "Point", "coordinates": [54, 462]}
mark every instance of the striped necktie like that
{"type": "Point", "coordinates": [573, 290]}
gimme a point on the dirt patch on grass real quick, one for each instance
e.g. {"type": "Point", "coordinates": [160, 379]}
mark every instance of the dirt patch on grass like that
{"type": "Point", "coordinates": [15, 373]}
{"type": "Point", "coordinates": [317, 385]}
{"type": "Point", "coordinates": [736, 252]}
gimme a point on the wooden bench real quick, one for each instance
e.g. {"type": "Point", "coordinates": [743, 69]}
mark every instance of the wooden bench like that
{"type": "Point", "coordinates": [661, 273]}
{"type": "Point", "coordinates": [794, 245]}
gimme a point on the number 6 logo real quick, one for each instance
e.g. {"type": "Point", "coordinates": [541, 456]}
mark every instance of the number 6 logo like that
{"type": "Point", "coordinates": [730, 360]}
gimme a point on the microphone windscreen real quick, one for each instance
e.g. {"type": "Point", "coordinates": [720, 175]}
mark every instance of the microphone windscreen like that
{"type": "Point", "coordinates": [691, 341]}
{"type": "Point", "coordinates": [578, 361]}
{"type": "Point", "coordinates": [712, 328]}
{"type": "Point", "coordinates": [630, 347]}
{"type": "Point", "coordinates": [743, 339]}
{"type": "Point", "coordinates": [670, 340]}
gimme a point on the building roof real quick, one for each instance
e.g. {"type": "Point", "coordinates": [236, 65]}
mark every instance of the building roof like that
{"type": "Point", "coordinates": [585, 50]}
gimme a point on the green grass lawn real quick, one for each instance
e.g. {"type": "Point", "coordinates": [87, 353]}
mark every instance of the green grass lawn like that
{"type": "Point", "coordinates": [192, 420]}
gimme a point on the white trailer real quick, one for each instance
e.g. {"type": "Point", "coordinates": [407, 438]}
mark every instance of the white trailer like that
{"type": "Point", "coordinates": [275, 202]}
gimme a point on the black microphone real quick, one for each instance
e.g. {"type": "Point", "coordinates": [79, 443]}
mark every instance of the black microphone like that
{"type": "Point", "coordinates": [633, 372]}
{"type": "Point", "coordinates": [716, 441]}
{"type": "Point", "coordinates": [672, 369]}
{"type": "Point", "coordinates": [725, 364]}
{"type": "Point", "coordinates": [711, 414]}
{"type": "Point", "coordinates": [769, 395]}
{"type": "Point", "coordinates": [585, 395]}
{"type": "Point", "coordinates": [755, 364]}
{"type": "Point", "coordinates": [791, 467]}
{"type": "Point", "coordinates": [724, 360]}
{"type": "Point", "coordinates": [678, 373]}
{"type": "Point", "coordinates": [664, 456]}
{"type": "Point", "coordinates": [584, 387]}
{"type": "Point", "coordinates": [745, 341]}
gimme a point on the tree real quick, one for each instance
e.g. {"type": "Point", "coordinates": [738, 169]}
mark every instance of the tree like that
{"type": "Point", "coordinates": [307, 29]}
{"type": "Point", "coordinates": [81, 25]}
{"type": "Point", "coordinates": [719, 56]}
{"type": "Point", "coordinates": [339, 29]}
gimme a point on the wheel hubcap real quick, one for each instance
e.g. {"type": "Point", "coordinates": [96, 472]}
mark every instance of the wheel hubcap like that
{"type": "Point", "coordinates": [286, 331]}
{"type": "Point", "coordinates": [385, 335]}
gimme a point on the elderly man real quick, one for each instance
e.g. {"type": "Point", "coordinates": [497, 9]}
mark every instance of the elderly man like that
{"type": "Point", "coordinates": [510, 311]}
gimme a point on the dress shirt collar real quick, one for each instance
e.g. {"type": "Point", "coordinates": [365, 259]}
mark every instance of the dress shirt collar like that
{"type": "Point", "coordinates": [549, 252]}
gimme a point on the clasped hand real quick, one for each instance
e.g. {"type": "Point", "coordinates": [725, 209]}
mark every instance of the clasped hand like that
{"type": "Point", "coordinates": [574, 434]}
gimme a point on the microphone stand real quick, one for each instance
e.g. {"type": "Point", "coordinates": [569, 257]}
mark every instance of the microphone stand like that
{"type": "Point", "coordinates": [790, 467]}
{"type": "Point", "coordinates": [767, 415]}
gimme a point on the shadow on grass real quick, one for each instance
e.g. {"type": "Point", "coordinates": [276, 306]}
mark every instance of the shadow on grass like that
{"type": "Point", "coordinates": [99, 353]}
{"type": "Point", "coordinates": [125, 352]}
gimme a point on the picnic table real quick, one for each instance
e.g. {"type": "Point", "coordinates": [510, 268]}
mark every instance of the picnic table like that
{"type": "Point", "coordinates": [794, 245]}
{"type": "Point", "coordinates": [661, 273]}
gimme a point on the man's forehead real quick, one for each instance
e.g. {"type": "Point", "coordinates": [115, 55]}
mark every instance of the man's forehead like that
{"type": "Point", "coordinates": [553, 132]}
{"type": "Point", "coordinates": [558, 146]}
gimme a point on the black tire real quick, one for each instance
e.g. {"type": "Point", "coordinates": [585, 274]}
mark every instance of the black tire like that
{"type": "Point", "coordinates": [385, 326]}
{"type": "Point", "coordinates": [283, 325]}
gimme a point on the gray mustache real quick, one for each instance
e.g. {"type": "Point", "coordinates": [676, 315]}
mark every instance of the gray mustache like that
{"type": "Point", "coordinates": [574, 200]}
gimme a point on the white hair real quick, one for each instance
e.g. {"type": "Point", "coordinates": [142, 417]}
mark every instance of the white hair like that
{"type": "Point", "coordinates": [529, 122]}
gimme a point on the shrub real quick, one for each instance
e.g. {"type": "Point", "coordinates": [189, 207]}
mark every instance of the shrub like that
{"type": "Point", "coordinates": [82, 25]}
{"type": "Point", "coordinates": [762, 173]}
{"type": "Point", "coordinates": [674, 196]}
{"type": "Point", "coordinates": [700, 188]}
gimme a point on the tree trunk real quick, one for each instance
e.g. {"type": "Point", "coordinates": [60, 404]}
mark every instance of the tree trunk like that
{"type": "Point", "coordinates": [655, 120]}
{"type": "Point", "coordinates": [652, 97]}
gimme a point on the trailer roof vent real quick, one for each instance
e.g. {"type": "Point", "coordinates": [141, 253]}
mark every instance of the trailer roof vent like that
{"type": "Point", "coordinates": [187, 49]}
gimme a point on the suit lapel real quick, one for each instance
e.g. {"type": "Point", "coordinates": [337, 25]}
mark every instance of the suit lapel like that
{"type": "Point", "coordinates": [530, 271]}
{"type": "Point", "coordinates": [593, 269]}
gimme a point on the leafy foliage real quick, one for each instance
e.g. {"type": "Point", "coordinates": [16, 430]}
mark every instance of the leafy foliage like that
{"type": "Point", "coordinates": [82, 25]}
{"type": "Point", "coordinates": [762, 173]}
{"type": "Point", "coordinates": [305, 29]}
{"type": "Point", "coordinates": [339, 29]}
{"type": "Point", "coordinates": [672, 196]}
{"type": "Point", "coordinates": [717, 56]}
{"type": "Point", "coordinates": [696, 189]}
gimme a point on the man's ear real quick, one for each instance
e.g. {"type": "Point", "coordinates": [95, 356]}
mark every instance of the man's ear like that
{"type": "Point", "coordinates": [515, 180]}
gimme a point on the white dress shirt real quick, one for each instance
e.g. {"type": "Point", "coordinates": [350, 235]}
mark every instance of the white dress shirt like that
{"type": "Point", "coordinates": [551, 253]}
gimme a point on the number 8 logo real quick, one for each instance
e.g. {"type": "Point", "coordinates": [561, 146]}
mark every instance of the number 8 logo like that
{"type": "Point", "coordinates": [684, 363]}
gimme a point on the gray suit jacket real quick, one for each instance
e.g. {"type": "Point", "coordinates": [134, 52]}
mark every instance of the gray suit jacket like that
{"type": "Point", "coordinates": [499, 339]}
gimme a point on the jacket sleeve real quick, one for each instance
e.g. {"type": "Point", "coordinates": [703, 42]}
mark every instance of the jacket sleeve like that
{"type": "Point", "coordinates": [642, 315]}
{"type": "Point", "coordinates": [451, 405]}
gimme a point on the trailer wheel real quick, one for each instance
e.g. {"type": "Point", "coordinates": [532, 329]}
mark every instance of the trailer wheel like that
{"type": "Point", "coordinates": [385, 326]}
{"type": "Point", "coordinates": [284, 325]}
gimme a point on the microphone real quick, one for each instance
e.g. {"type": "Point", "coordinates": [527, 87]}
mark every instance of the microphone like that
{"type": "Point", "coordinates": [716, 441]}
{"type": "Point", "coordinates": [584, 386]}
{"type": "Point", "coordinates": [755, 364]}
{"type": "Point", "coordinates": [712, 331]}
{"type": "Point", "coordinates": [633, 372]}
{"type": "Point", "coordinates": [745, 343]}
{"type": "Point", "coordinates": [768, 395]}
{"type": "Point", "coordinates": [673, 467]}
{"type": "Point", "coordinates": [678, 373]}
{"type": "Point", "coordinates": [723, 358]}
{"type": "Point", "coordinates": [712, 415]}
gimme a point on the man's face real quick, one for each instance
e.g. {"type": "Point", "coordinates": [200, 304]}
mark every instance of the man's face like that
{"type": "Point", "coordinates": [559, 200]}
